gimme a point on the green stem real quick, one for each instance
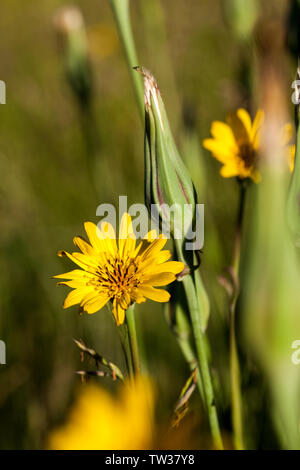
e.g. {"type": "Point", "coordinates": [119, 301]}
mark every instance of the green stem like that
{"type": "Point", "coordinates": [124, 339]}
{"type": "Point", "coordinates": [133, 340]}
{"type": "Point", "coordinates": [203, 360]}
{"type": "Point", "coordinates": [192, 301]}
{"type": "Point", "coordinates": [235, 382]}
{"type": "Point", "coordinates": [120, 9]}
{"type": "Point", "coordinates": [190, 358]}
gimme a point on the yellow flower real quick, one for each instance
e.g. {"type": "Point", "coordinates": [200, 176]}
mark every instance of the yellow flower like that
{"type": "Point", "coordinates": [122, 272]}
{"type": "Point", "coordinates": [287, 139]}
{"type": "Point", "coordinates": [291, 156]}
{"type": "Point", "coordinates": [100, 421]}
{"type": "Point", "coordinates": [235, 144]}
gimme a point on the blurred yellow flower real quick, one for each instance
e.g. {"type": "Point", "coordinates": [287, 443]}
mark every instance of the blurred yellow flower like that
{"type": "Point", "coordinates": [102, 40]}
{"type": "Point", "coordinates": [100, 421]}
{"type": "Point", "coordinates": [287, 142]}
{"type": "Point", "coordinates": [235, 144]}
{"type": "Point", "coordinates": [121, 273]}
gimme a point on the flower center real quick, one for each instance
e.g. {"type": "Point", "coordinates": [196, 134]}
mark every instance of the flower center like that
{"type": "Point", "coordinates": [247, 154]}
{"type": "Point", "coordinates": [118, 276]}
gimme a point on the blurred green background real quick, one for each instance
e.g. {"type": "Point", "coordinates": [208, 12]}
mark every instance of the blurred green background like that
{"type": "Point", "coordinates": [58, 162]}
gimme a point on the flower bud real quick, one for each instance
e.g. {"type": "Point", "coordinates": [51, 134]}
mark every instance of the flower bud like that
{"type": "Point", "coordinates": [169, 188]}
{"type": "Point", "coordinates": [71, 31]}
{"type": "Point", "coordinates": [168, 184]}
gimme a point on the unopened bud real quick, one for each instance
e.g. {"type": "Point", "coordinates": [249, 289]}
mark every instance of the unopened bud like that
{"type": "Point", "coordinates": [168, 184]}
{"type": "Point", "coordinates": [70, 27]}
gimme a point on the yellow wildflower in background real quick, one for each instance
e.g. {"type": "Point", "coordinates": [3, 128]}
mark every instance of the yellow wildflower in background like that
{"type": "Point", "coordinates": [235, 144]}
{"type": "Point", "coordinates": [287, 142]}
{"type": "Point", "coordinates": [122, 272]}
{"type": "Point", "coordinates": [100, 421]}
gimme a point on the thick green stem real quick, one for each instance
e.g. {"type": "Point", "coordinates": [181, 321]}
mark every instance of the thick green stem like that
{"type": "Point", "coordinates": [133, 340]}
{"type": "Point", "coordinates": [203, 360]}
{"type": "Point", "coordinates": [121, 12]}
{"type": "Point", "coordinates": [235, 382]}
{"type": "Point", "coordinates": [193, 305]}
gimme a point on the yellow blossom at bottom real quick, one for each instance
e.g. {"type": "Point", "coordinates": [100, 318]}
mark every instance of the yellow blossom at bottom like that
{"type": "Point", "coordinates": [102, 421]}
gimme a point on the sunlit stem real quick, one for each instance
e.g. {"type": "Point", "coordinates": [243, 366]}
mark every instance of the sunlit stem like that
{"type": "Point", "coordinates": [235, 382]}
{"type": "Point", "coordinates": [121, 13]}
{"type": "Point", "coordinates": [133, 343]}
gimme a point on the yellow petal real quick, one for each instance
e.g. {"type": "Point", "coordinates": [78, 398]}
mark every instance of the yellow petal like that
{"type": "Point", "coordinates": [93, 233]}
{"type": "Point", "coordinates": [75, 274]}
{"type": "Point", "coordinates": [118, 312]}
{"type": "Point", "coordinates": [136, 296]}
{"type": "Point", "coordinates": [155, 247]}
{"type": "Point", "coordinates": [159, 295]}
{"type": "Point", "coordinates": [173, 267]}
{"type": "Point", "coordinates": [75, 296]}
{"type": "Point", "coordinates": [125, 226]}
{"type": "Point", "coordinates": [108, 236]}
{"type": "Point", "coordinates": [291, 153]}
{"type": "Point", "coordinates": [126, 237]}
{"type": "Point", "coordinates": [257, 124]}
{"type": "Point", "coordinates": [86, 260]}
{"type": "Point", "coordinates": [75, 260]}
{"type": "Point", "coordinates": [255, 176]}
{"type": "Point", "coordinates": [108, 230]}
{"type": "Point", "coordinates": [142, 246]}
{"type": "Point", "coordinates": [152, 235]}
{"type": "Point", "coordinates": [221, 152]}
{"type": "Point", "coordinates": [160, 279]}
{"type": "Point", "coordinates": [163, 256]}
{"type": "Point", "coordinates": [147, 240]}
{"type": "Point", "coordinates": [286, 134]}
{"type": "Point", "coordinates": [90, 296]}
{"type": "Point", "coordinates": [245, 118]}
{"type": "Point", "coordinates": [125, 301]}
{"type": "Point", "coordinates": [74, 283]}
{"type": "Point", "coordinates": [223, 133]}
{"type": "Point", "coordinates": [238, 128]}
{"type": "Point", "coordinates": [228, 171]}
{"type": "Point", "coordinates": [84, 246]}
{"type": "Point", "coordinates": [95, 304]}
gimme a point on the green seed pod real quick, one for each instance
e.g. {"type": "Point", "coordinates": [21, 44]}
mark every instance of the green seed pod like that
{"type": "Point", "coordinates": [170, 190]}
{"type": "Point", "coordinates": [71, 31]}
{"type": "Point", "coordinates": [168, 185]}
